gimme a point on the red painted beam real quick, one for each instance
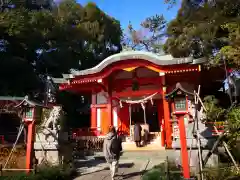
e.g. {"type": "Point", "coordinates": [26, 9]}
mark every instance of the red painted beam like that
{"type": "Point", "coordinates": [119, 66]}
{"type": "Point", "coordinates": [144, 92]}
{"type": "Point", "coordinates": [134, 63]}
{"type": "Point", "coordinates": [85, 88]}
{"type": "Point", "coordinates": [99, 105]}
{"type": "Point", "coordinates": [123, 83]}
{"type": "Point", "coordinates": [92, 79]}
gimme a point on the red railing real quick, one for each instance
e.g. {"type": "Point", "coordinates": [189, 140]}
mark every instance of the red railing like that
{"type": "Point", "coordinates": [219, 126]}
{"type": "Point", "coordinates": [91, 132]}
{"type": "Point", "coordinates": [124, 133]}
{"type": "Point", "coordinates": [85, 132]}
{"type": "Point", "coordinates": [10, 138]}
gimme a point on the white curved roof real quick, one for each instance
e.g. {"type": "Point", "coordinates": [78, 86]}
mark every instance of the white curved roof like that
{"type": "Point", "coordinates": [162, 60]}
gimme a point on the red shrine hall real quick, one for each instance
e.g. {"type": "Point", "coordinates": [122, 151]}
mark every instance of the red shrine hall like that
{"type": "Point", "coordinates": [138, 87]}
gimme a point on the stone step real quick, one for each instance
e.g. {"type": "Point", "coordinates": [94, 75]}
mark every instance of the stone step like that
{"type": "Point", "coordinates": [131, 146]}
{"type": "Point", "coordinates": [141, 155]}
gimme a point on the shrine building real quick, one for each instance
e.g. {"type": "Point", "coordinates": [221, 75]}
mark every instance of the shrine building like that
{"type": "Point", "coordinates": [140, 87]}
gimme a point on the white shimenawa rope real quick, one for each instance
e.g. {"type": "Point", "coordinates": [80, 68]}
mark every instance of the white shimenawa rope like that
{"type": "Point", "coordinates": [140, 101]}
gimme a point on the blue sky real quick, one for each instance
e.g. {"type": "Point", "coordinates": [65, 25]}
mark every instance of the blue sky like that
{"type": "Point", "coordinates": [134, 10]}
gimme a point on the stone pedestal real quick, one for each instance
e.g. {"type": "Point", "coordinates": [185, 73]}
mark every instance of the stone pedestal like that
{"type": "Point", "coordinates": [46, 147]}
{"type": "Point", "coordinates": [193, 156]}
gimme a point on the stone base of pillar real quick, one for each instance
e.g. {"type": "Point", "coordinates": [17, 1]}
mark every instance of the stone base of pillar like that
{"type": "Point", "coordinates": [46, 147]}
{"type": "Point", "coordinates": [193, 156]}
{"type": "Point", "coordinates": [45, 152]}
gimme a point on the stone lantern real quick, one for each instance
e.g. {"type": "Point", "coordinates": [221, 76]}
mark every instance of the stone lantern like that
{"type": "Point", "coordinates": [31, 113]}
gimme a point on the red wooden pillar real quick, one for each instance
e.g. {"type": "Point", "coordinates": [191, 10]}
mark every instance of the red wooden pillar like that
{"type": "Point", "coordinates": [109, 110]}
{"type": "Point", "coordinates": [173, 106]}
{"type": "Point", "coordinates": [124, 117]}
{"type": "Point", "coordinates": [187, 103]}
{"type": "Point", "coordinates": [184, 150]}
{"type": "Point", "coordinates": [163, 134]}
{"type": "Point", "coordinates": [167, 124]}
{"type": "Point", "coordinates": [94, 111]}
{"type": "Point", "coordinates": [161, 121]}
{"type": "Point", "coordinates": [109, 103]}
{"type": "Point", "coordinates": [30, 142]}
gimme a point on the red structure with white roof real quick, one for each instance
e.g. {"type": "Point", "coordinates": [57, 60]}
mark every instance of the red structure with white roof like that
{"type": "Point", "coordinates": [135, 86]}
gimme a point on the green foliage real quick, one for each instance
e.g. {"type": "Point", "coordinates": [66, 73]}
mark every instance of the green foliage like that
{"type": "Point", "coordinates": [51, 41]}
{"type": "Point", "coordinates": [214, 112]}
{"type": "Point", "coordinates": [45, 173]}
{"type": "Point", "coordinates": [233, 118]}
{"type": "Point", "coordinates": [220, 173]}
{"type": "Point", "coordinates": [229, 117]}
{"type": "Point", "coordinates": [203, 28]}
{"type": "Point", "coordinates": [158, 173]}
{"type": "Point", "coordinates": [211, 173]}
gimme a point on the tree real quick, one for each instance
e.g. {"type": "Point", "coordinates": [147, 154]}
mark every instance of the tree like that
{"type": "Point", "coordinates": [149, 37]}
{"type": "Point", "coordinates": [206, 28]}
{"type": "Point", "coordinates": [36, 42]}
{"type": "Point", "coordinates": [28, 4]}
{"type": "Point", "coordinates": [211, 29]}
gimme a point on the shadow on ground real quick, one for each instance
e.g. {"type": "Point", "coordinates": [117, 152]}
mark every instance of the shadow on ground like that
{"type": "Point", "coordinates": [126, 165]}
{"type": "Point", "coordinates": [131, 175]}
{"type": "Point", "coordinates": [88, 163]}
{"type": "Point", "coordinates": [98, 161]}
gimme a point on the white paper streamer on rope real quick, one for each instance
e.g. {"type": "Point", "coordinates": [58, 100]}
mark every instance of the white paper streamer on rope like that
{"type": "Point", "coordinates": [120, 102]}
{"type": "Point", "coordinates": [144, 111]}
{"type": "Point", "coordinates": [140, 101]}
{"type": "Point", "coordinates": [151, 101]}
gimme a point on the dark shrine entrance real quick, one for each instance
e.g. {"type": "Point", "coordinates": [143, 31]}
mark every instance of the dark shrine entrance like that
{"type": "Point", "coordinates": [151, 115]}
{"type": "Point", "coordinates": [137, 114]}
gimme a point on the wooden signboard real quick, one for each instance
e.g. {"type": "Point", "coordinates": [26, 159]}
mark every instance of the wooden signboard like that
{"type": "Point", "coordinates": [176, 132]}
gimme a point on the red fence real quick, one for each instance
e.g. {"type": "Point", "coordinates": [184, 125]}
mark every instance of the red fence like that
{"type": "Point", "coordinates": [90, 132]}
{"type": "Point", "coordinates": [84, 132]}
{"type": "Point", "coordinates": [220, 127]}
{"type": "Point", "coordinates": [10, 138]}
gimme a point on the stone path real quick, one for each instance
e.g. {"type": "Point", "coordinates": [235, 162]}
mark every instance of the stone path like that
{"type": "Point", "coordinates": [131, 165]}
